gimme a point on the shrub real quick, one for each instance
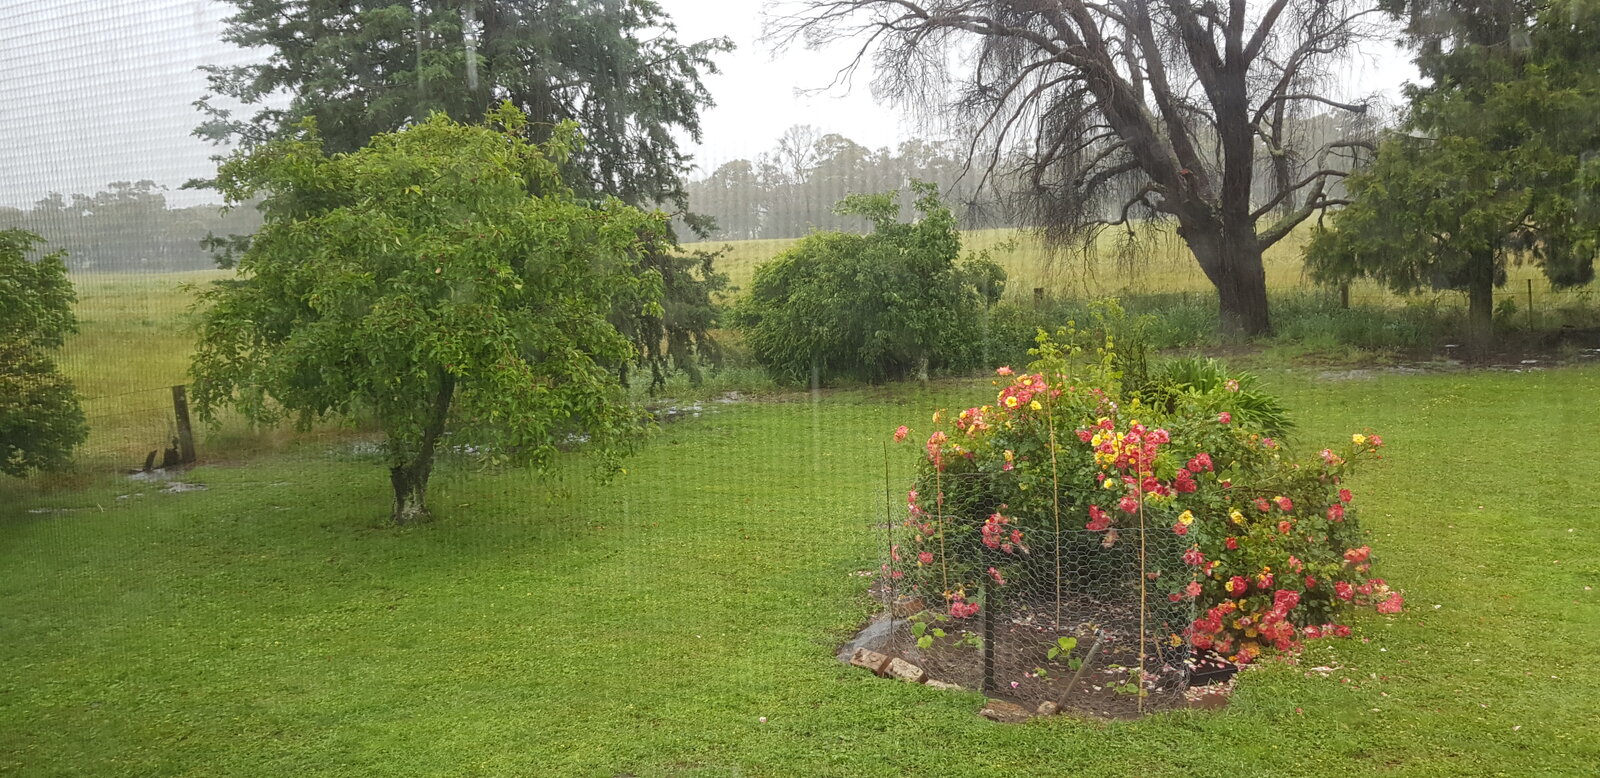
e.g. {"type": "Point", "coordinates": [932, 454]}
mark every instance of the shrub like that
{"type": "Point", "coordinates": [41, 420]}
{"type": "Point", "coordinates": [892, 303]}
{"type": "Point", "coordinates": [1245, 547]}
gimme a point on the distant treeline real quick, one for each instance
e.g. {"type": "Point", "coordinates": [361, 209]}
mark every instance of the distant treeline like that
{"type": "Point", "coordinates": [790, 190]}
{"type": "Point", "coordinates": [128, 227]}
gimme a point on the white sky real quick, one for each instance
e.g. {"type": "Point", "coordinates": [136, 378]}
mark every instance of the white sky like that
{"type": "Point", "coordinates": [94, 91]}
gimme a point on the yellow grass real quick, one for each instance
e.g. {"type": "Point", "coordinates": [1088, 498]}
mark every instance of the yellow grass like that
{"type": "Point", "coordinates": [136, 334]}
{"type": "Point", "coordinates": [1157, 262]}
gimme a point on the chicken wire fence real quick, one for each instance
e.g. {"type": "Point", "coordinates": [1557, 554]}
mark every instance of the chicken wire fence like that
{"type": "Point", "coordinates": [1034, 609]}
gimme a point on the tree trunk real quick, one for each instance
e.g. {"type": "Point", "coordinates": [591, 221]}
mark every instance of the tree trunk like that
{"type": "Point", "coordinates": [410, 492]}
{"type": "Point", "coordinates": [1234, 268]}
{"type": "Point", "coordinates": [1480, 305]}
{"type": "Point", "coordinates": [410, 479]}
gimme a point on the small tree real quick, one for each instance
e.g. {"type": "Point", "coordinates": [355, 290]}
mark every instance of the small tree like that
{"type": "Point", "coordinates": [41, 421]}
{"type": "Point", "coordinates": [1499, 168]}
{"type": "Point", "coordinates": [442, 280]}
{"type": "Point", "coordinates": [876, 306]}
{"type": "Point", "coordinates": [617, 68]}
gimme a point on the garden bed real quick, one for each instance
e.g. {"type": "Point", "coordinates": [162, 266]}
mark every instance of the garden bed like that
{"type": "Point", "coordinates": [1097, 678]}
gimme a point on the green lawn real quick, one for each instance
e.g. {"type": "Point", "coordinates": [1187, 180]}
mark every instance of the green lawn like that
{"type": "Point", "coordinates": [273, 626]}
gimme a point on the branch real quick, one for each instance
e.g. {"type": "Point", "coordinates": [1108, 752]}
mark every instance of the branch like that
{"type": "Point", "coordinates": [1263, 31]}
{"type": "Point", "coordinates": [1360, 108]}
{"type": "Point", "coordinates": [1307, 181]}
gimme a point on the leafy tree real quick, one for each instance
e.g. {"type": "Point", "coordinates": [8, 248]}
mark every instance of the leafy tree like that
{"type": "Point", "coordinates": [1111, 113]}
{"type": "Point", "coordinates": [876, 306]}
{"type": "Point", "coordinates": [41, 421]}
{"type": "Point", "coordinates": [442, 280]}
{"type": "Point", "coordinates": [1497, 168]}
{"type": "Point", "coordinates": [616, 68]}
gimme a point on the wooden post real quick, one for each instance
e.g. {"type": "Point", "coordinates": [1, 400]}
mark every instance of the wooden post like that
{"type": "Point", "coordinates": [988, 638]}
{"type": "Point", "coordinates": [180, 411]}
{"type": "Point", "coordinates": [1038, 297]}
{"type": "Point", "coordinates": [1530, 304]}
{"type": "Point", "coordinates": [1344, 296]}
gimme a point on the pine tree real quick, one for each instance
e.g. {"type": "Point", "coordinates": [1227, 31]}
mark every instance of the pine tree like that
{"type": "Point", "coordinates": [1496, 165]}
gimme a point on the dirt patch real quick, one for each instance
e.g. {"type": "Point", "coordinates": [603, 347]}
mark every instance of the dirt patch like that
{"type": "Point", "coordinates": [1098, 678]}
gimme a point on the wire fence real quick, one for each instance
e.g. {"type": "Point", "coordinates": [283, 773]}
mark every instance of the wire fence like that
{"type": "Point", "coordinates": [1065, 618]}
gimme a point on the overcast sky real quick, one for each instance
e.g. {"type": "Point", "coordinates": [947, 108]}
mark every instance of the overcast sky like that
{"type": "Point", "coordinates": [94, 91]}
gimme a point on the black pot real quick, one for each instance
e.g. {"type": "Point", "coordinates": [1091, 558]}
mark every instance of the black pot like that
{"type": "Point", "coordinates": [1211, 668]}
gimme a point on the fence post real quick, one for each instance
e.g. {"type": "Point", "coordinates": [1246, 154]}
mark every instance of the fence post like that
{"type": "Point", "coordinates": [1038, 297]}
{"type": "Point", "coordinates": [1344, 296]}
{"type": "Point", "coordinates": [1530, 304]}
{"type": "Point", "coordinates": [180, 410]}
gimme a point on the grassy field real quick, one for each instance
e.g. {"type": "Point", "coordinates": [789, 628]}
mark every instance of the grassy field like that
{"type": "Point", "coordinates": [273, 625]}
{"type": "Point", "coordinates": [136, 329]}
{"type": "Point", "coordinates": [1158, 263]}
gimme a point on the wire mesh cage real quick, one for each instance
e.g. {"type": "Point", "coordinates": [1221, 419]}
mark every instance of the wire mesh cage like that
{"type": "Point", "coordinates": [1080, 619]}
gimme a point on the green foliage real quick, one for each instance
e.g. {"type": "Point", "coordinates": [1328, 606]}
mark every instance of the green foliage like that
{"type": "Point", "coordinates": [41, 421]}
{"type": "Point", "coordinates": [678, 335]}
{"type": "Point", "coordinates": [616, 68]}
{"type": "Point", "coordinates": [1188, 381]}
{"type": "Point", "coordinates": [362, 68]}
{"type": "Point", "coordinates": [897, 302]}
{"type": "Point", "coordinates": [1033, 494]}
{"type": "Point", "coordinates": [442, 279]}
{"type": "Point", "coordinates": [1497, 168]}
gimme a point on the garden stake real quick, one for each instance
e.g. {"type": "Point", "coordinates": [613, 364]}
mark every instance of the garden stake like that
{"type": "Point", "coordinates": [888, 536]}
{"type": "Point", "coordinates": [1055, 494]}
{"type": "Point", "coordinates": [1143, 581]}
{"type": "Point", "coordinates": [938, 505]}
{"type": "Point", "coordinates": [988, 638]}
{"type": "Point", "coordinates": [1061, 702]}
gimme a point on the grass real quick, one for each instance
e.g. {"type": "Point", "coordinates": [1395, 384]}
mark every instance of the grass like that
{"type": "Point", "coordinates": [136, 334]}
{"type": "Point", "coordinates": [273, 625]}
{"type": "Point", "coordinates": [1158, 263]}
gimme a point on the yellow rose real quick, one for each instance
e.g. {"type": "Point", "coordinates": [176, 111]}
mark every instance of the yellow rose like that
{"type": "Point", "coordinates": [1358, 439]}
{"type": "Point", "coordinates": [1110, 483]}
{"type": "Point", "coordinates": [1011, 402]}
{"type": "Point", "coordinates": [1186, 518]}
{"type": "Point", "coordinates": [1236, 516]}
{"type": "Point", "coordinates": [1035, 405]}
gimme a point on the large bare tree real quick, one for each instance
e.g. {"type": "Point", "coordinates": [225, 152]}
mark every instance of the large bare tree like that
{"type": "Point", "coordinates": [1117, 112]}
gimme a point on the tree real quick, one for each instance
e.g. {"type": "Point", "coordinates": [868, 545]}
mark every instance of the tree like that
{"type": "Point", "coordinates": [792, 188]}
{"type": "Point", "coordinates": [442, 280]}
{"type": "Point", "coordinates": [1497, 168]}
{"type": "Point", "coordinates": [1110, 112]}
{"type": "Point", "coordinates": [885, 305]}
{"type": "Point", "coordinates": [41, 421]}
{"type": "Point", "coordinates": [615, 67]}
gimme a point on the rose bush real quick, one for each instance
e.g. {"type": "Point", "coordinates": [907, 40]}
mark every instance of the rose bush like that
{"type": "Point", "coordinates": [1260, 548]}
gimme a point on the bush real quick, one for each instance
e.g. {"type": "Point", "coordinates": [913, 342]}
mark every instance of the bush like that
{"type": "Point", "coordinates": [1069, 473]}
{"type": "Point", "coordinates": [893, 303]}
{"type": "Point", "coordinates": [41, 420]}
